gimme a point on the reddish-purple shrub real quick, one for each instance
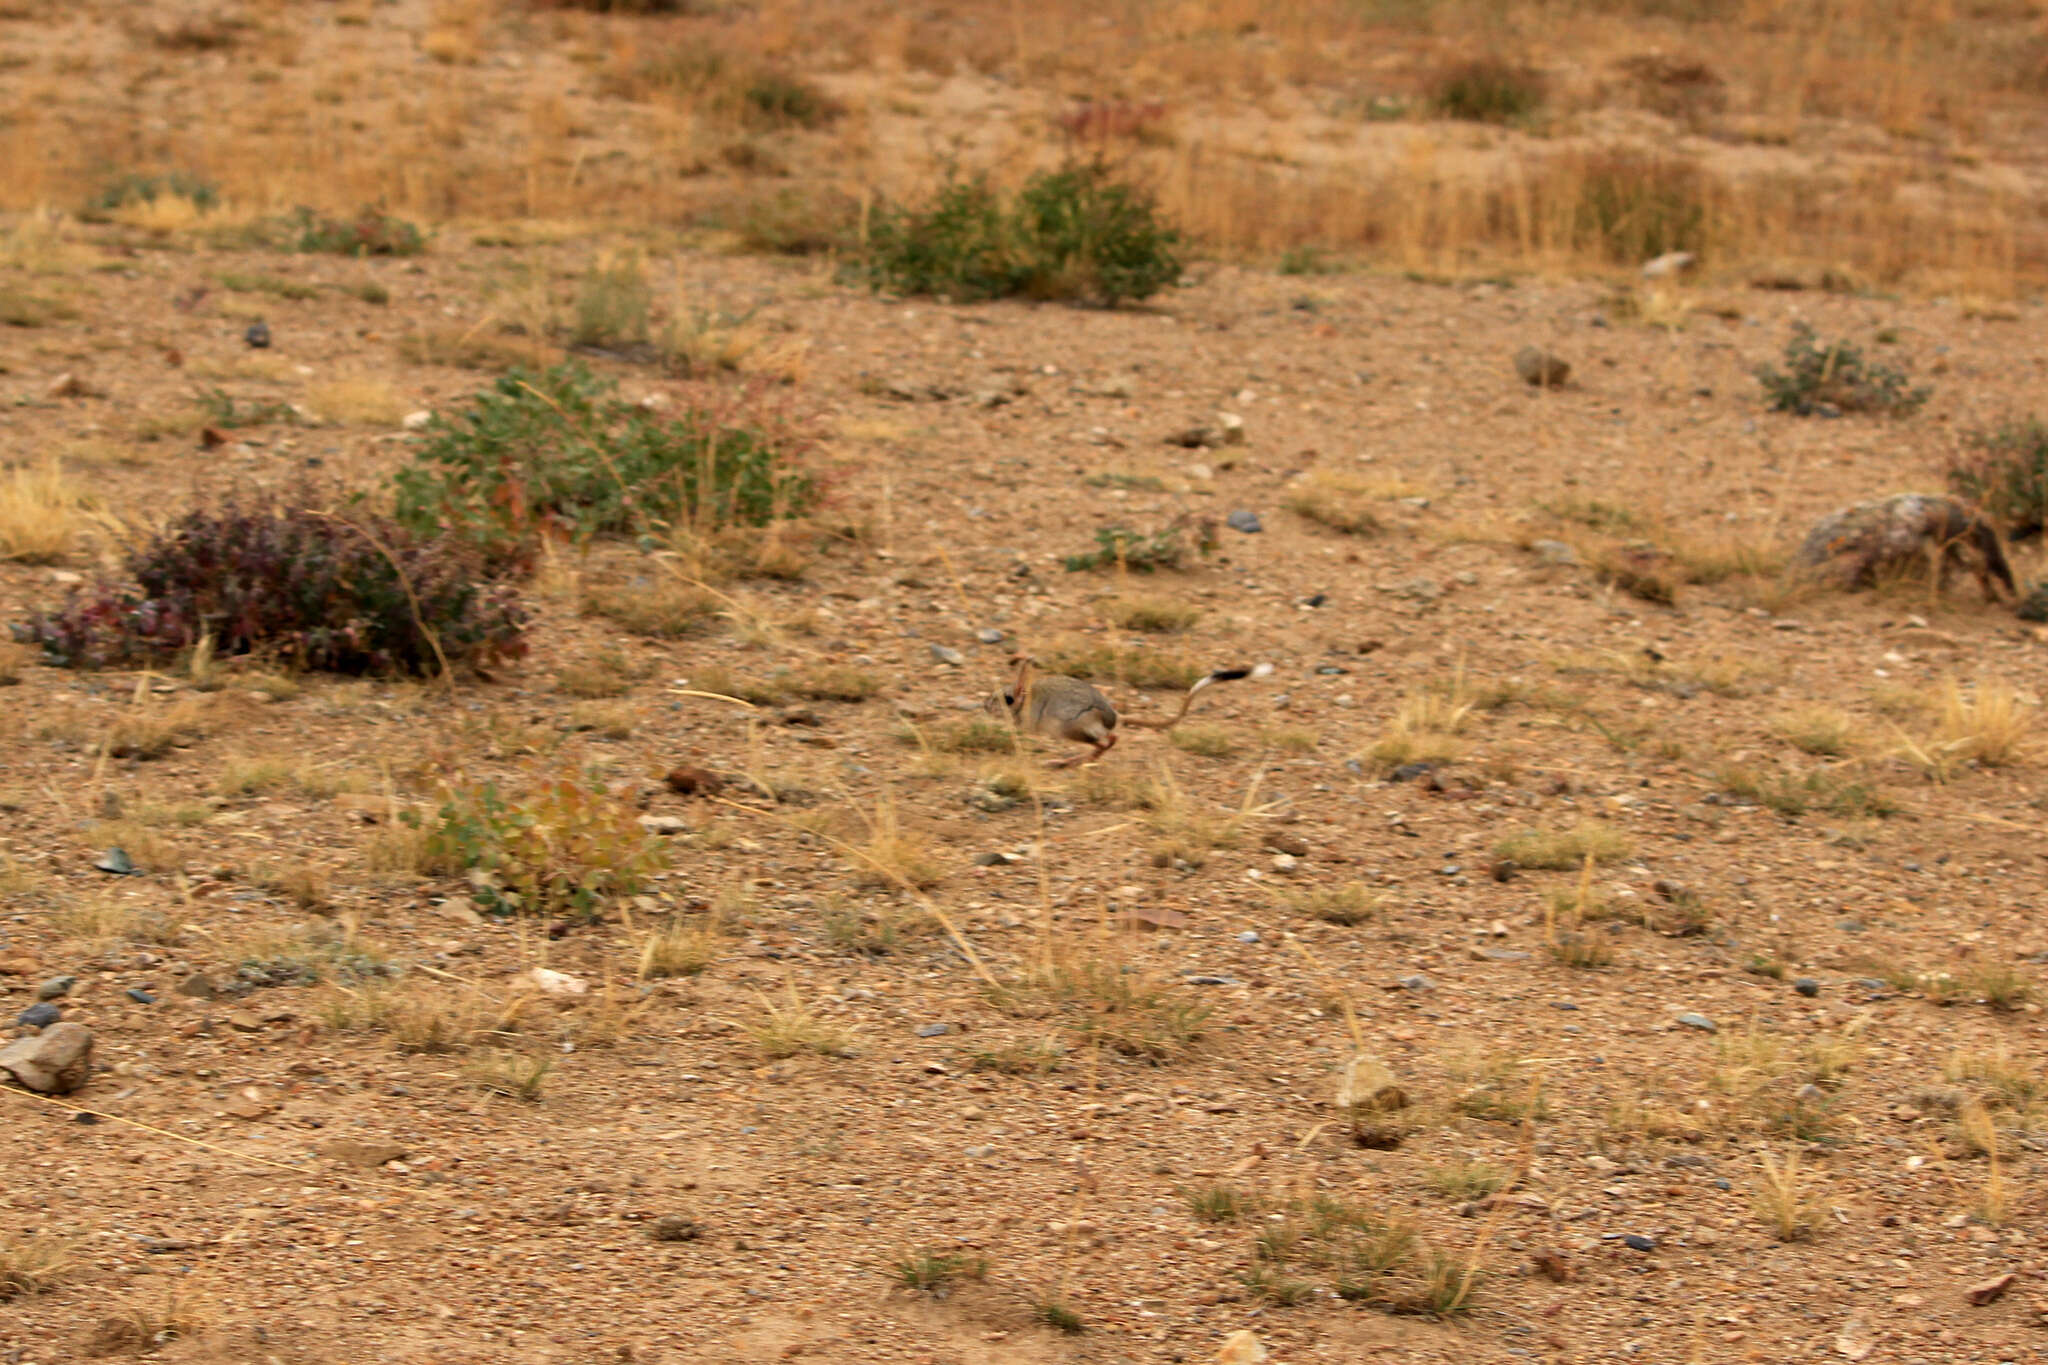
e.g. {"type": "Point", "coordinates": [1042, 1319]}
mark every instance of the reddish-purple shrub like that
{"type": "Point", "coordinates": [341, 593]}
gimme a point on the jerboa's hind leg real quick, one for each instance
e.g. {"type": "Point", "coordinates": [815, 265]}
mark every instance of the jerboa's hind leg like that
{"type": "Point", "coordinates": [1103, 742]}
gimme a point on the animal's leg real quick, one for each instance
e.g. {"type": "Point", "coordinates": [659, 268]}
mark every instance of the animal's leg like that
{"type": "Point", "coordinates": [1102, 746]}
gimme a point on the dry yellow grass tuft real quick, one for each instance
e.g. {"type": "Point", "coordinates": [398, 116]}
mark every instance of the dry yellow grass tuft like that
{"type": "Point", "coordinates": [43, 513]}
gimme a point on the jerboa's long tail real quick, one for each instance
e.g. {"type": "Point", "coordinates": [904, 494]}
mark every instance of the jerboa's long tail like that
{"type": "Point", "coordinates": [1221, 675]}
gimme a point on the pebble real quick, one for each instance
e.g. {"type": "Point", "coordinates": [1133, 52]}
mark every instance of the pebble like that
{"type": "Point", "coordinates": [1206, 979]}
{"type": "Point", "coordinates": [39, 1015]}
{"type": "Point", "coordinates": [552, 982]}
{"type": "Point", "coordinates": [199, 986]}
{"type": "Point", "coordinates": [1407, 772]}
{"type": "Point", "coordinates": [674, 1227]}
{"type": "Point", "coordinates": [1807, 986]}
{"type": "Point", "coordinates": [1635, 1241]}
{"type": "Point", "coordinates": [665, 824]}
{"type": "Point", "coordinates": [258, 335]}
{"type": "Point", "coordinates": [978, 1153]}
{"type": "Point", "coordinates": [56, 987]}
{"type": "Point", "coordinates": [417, 421]}
{"type": "Point", "coordinates": [140, 996]}
{"type": "Point", "coordinates": [994, 859]}
{"type": "Point", "coordinates": [1248, 936]}
{"type": "Point", "coordinates": [988, 635]}
{"type": "Point", "coordinates": [1670, 263]}
{"type": "Point", "coordinates": [1418, 982]}
{"type": "Point", "coordinates": [1285, 862]}
{"type": "Point", "coordinates": [1244, 520]}
{"type": "Point", "coordinates": [1282, 842]}
{"type": "Point", "coordinates": [946, 654]}
{"type": "Point", "coordinates": [933, 1030]}
{"type": "Point", "coordinates": [54, 1062]}
{"type": "Point", "coordinates": [1555, 552]}
{"type": "Point", "coordinates": [365, 1155]}
{"type": "Point", "coordinates": [116, 861]}
{"type": "Point", "coordinates": [1698, 1021]}
{"type": "Point", "coordinates": [688, 780]}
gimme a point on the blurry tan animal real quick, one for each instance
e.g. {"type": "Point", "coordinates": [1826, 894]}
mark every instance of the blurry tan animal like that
{"type": "Point", "coordinates": [1055, 706]}
{"type": "Point", "coordinates": [1849, 547]}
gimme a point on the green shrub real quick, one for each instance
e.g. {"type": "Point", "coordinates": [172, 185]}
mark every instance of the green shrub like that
{"type": "Point", "coordinates": [1074, 233]}
{"type": "Point", "coordinates": [1486, 90]}
{"type": "Point", "coordinates": [2005, 471]}
{"type": "Point", "coordinates": [564, 847]}
{"type": "Point", "coordinates": [1835, 378]}
{"type": "Point", "coordinates": [1088, 236]}
{"type": "Point", "coordinates": [958, 247]}
{"type": "Point", "coordinates": [347, 595]}
{"type": "Point", "coordinates": [136, 188]}
{"type": "Point", "coordinates": [371, 232]}
{"type": "Point", "coordinates": [558, 450]}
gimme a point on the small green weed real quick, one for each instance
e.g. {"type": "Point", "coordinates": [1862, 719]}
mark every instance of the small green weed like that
{"type": "Point", "coordinates": [1835, 378]}
{"type": "Point", "coordinates": [564, 846]}
{"type": "Point", "coordinates": [932, 1271]}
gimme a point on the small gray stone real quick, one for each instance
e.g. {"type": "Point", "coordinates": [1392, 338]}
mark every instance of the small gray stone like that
{"type": "Point", "coordinates": [116, 861]}
{"type": "Point", "coordinates": [994, 859]}
{"type": "Point", "coordinates": [1635, 1241]}
{"type": "Point", "coordinates": [1248, 936]}
{"type": "Point", "coordinates": [56, 987]}
{"type": "Point", "coordinates": [53, 1062]}
{"type": "Point", "coordinates": [1244, 520]}
{"type": "Point", "coordinates": [988, 635]}
{"type": "Point", "coordinates": [258, 335]}
{"type": "Point", "coordinates": [981, 1152]}
{"type": "Point", "coordinates": [1807, 986]}
{"type": "Point", "coordinates": [1208, 979]}
{"type": "Point", "coordinates": [1408, 772]}
{"type": "Point", "coordinates": [1554, 552]}
{"type": "Point", "coordinates": [1418, 982]}
{"type": "Point", "coordinates": [140, 996]}
{"type": "Point", "coordinates": [945, 654]}
{"type": "Point", "coordinates": [1503, 955]}
{"type": "Point", "coordinates": [664, 824]}
{"type": "Point", "coordinates": [1540, 369]}
{"type": "Point", "coordinates": [1698, 1021]}
{"type": "Point", "coordinates": [39, 1015]}
{"type": "Point", "coordinates": [933, 1030]}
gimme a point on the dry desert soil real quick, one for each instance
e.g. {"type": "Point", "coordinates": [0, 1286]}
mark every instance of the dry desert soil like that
{"type": "Point", "coordinates": [1523, 969]}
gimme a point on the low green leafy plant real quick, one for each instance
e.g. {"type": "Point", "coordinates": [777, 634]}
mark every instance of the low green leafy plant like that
{"type": "Point", "coordinates": [1119, 547]}
{"type": "Point", "coordinates": [1836, 378]}
{"type": "Point", "coordinates": [564, 846]}
{"type": "Point", "coordinates": [315, 590]}
{"type": "Point", "coordinates": [558, 451]}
